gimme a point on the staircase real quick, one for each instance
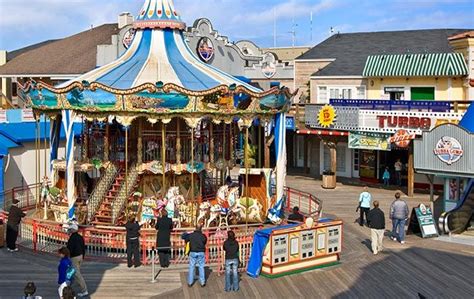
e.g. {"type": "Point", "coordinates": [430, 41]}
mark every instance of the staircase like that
{"type": "Point", "coordinates": [123, 196]}
{"type": "Point", "coordinates": [97, 196]}
{"type": "Point", "coordinates": [103, 215]}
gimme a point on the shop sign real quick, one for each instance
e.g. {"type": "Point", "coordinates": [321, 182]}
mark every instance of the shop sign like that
{"type": "Point", "coordinates": [326, 116]}
{"type": "Point", "coordinates": [448, 150]}
{"type": "Point", "coordinates": [205, 49]}
{"type": "Point", "coordinates": [27, 115]}
{"type": "Point", "coordinates": [128, 37]}
{"type": "Point", "coordinates": [369, 141]}
{"type": "Point", "coordinates": [402, 138]}
{"type": "Point", "coordinates": [421, 220]}
{"type": "Point", "coordinates": [269, 65]}
{"type": "Point", "coordinates": [406, 122]}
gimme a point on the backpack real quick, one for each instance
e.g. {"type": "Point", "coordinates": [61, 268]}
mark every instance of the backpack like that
{"type": "Point", "coordinates": [70, 272]}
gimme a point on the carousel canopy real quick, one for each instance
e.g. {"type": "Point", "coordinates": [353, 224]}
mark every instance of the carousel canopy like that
{"type": "Point", "coordinates": [158, 73]}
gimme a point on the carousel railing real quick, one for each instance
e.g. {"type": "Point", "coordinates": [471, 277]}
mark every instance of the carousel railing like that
{"type": "Point", "coordinates": [309, 205]}
{"type": "Point", "coordinates": [26, 195]}
{"type": "Point", "coordinates": [125, 191]}
{"type": "Point", "coordinates": [101, 190]}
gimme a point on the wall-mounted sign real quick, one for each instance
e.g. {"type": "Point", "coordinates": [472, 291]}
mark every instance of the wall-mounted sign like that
{"type": "Point", "coordinates": [370, 141]}
{"type": "Point", "coordinates": [3, 116]}
{"type": "Point", "coordinates": [448, 150]}
{"type": "Point", "coordinates": [128, 38]}
{"type": "Point", "coordinates": [405, 122]}
{"type": "Point", "coordinates": [326, 116]}
{"type": "Point", "coordinates": [27, 115]}
{"type": "Point", "coordinates": [402, 138]}
{"type": "Point", "coordinates": [290, 123]}
{"type": "Point", "coordinates": [269, 65]}
{"type": "Point", "coordinates": [205, 49]}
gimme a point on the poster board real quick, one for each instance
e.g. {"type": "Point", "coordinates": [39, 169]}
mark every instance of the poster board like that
{"type": "Point", "coordinates": [422, 221]}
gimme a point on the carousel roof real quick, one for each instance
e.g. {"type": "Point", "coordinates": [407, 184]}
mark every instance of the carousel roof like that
{"type": "Point", "coordinates": [158, 70]}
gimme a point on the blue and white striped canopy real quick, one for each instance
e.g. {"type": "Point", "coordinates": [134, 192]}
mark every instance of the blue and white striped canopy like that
{"type": "Point", "coordinates": [159, 53]}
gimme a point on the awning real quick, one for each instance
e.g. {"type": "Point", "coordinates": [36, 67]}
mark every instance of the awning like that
{"type": "Point", "coordinates": [416, 65]}
{"type": "Point", "coordinates": [322, 132]}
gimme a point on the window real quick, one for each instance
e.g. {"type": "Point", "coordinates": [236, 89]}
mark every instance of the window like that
{"type": "Point", "coordinates": [360, 92]}
{"type": "Point", "coordinates": [334, 93]}
{"type": "Point", "coordinates": [14, 89]}
{"type": "Point", "coordinates": [346, 93]}
{"type": "Point", "coordinates": [322, 94]}
{"type": "Point", "coordinates": [422, 93]}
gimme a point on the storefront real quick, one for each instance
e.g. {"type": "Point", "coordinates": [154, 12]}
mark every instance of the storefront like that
{"type": "Point", "coordinates": [446, 152]}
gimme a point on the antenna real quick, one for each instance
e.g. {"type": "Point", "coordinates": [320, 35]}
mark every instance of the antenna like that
{"type": "Point", "coordinates": [293, 32]}
{"type": "Point", "coordinates": [311, 27]}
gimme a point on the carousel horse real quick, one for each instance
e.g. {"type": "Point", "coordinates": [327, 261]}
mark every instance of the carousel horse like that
{"type": "Point", "coordinates": [173, 200]}
{"type": "Point", "coordinates": [204, 212]}
{"type": "Point", "coordinates": [226, 207]}
{"type": "Point", "coordinates": [253, 212]}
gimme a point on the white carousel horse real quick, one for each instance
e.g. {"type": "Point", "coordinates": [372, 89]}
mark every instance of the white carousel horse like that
{"type": "Point", "coordinates": [173, 201]}
{"type": "Point", "coordinates": [228, 200]}
{"type": "Point", "coordinates": [204, 212]}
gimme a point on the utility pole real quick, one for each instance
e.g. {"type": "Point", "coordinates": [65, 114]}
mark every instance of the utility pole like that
{"type": "Point", "coordinates": [293, 32]}
{"type": "Point", "coordinates": [311, 27]}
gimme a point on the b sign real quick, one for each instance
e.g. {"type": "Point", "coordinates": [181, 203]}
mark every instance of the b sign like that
{"type": "Point", "coordinates": [448, 150]}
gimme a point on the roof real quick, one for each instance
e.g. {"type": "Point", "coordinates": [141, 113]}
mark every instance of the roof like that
{"type": "Point", "coordinates": [158, 14]}
{"type": "Point", "coordinates": [5, 144]}
{"type": "Point", "coordinates": [26, 131]}
{"type": "Point", "coordinates": [416, 65]}
{"type": "Point", "coordinates": [468, 34]}
{"type": "Point", "coordinates": [15, 53]}
{"type": "Point", "coordinates": [76, 54]}
{"type": "Point", "coordinates": [350, 50]}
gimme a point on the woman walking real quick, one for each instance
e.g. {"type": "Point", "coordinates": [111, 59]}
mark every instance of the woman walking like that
{"type": "Point", "coordinates": [231, 248]}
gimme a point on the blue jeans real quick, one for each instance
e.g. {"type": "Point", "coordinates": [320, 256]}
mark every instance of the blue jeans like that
{"type": "Point", "coordinates": [231, 267]}
{"type": "Point", "coordinates": [398, 230]}
{"type": "Point", "coordinates": [196, 258]}
{"type": "Point", "coordinates": [385, 182]}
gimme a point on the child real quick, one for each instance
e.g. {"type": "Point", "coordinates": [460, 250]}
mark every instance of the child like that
{"type": "Point", "coordinates": [386, 177]}
{"type": "Point", "coordinates": [231, 248]}
{"type": "Point", "coordinates": [30, 290]}
{"type": "Point", "coordinates": [65, 270]}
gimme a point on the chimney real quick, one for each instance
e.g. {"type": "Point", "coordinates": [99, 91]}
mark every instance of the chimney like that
{"type": "Point", "coordinates": [125, 19]}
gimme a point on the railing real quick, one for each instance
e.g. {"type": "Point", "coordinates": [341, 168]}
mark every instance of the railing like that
{"type": "Point", "coordinates": [101, 190]}
{"type": "Point", "coordinates": [430, 106]}
{"type": "Point", "coordinates": [124, 193]}
{"type": "Point", "coordinates": [26, 195]}
{"type": "Point", "coordinates": [109, 242]}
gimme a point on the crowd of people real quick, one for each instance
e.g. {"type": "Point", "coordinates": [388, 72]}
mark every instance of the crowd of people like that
{"type": "Point", "coordinates": [375, 219]}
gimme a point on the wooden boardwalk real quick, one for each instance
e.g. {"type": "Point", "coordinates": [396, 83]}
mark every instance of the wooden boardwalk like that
{"type": "Point", "coordinates": [433, 268]}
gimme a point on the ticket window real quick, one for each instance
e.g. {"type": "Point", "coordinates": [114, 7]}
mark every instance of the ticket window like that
{"type": "Point", "coordinates": [307, 244]}
{"type": "Point", "coordinates": [280, 249]}
{"type": "Point", "coordinates": [321, 241]}
{"type": "Point", "coordinates": [334, 239]}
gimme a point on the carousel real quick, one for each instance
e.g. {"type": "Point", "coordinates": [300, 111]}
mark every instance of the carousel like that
{"type": "Point", "coordinates": [162, 129]}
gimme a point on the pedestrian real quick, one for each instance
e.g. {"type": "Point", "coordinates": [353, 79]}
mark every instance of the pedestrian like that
{"type": "Point", "coordinates": [13, 223]}
{"type": "Point", "coordinates": [30, 290]}
{"type": "Point", "coordinates": [164, 226]}
{"type": "Point", "coordinates": [364, 204]}
{"type": "Point", "coordinates": [376, 222]}
{"type": "Point", "coordinates": [296, 216]}
{"type": "Point", "coordinates": [399, 216]}
{"type": "Point", "coordinates": [231, 248]}
{"type": "Point", "coordinates": [398, 172]}
{"type": "Point", "coordinates": [197, 243]}
{"type": "Point", "coordinates": [386, 177]}
{"type": "Point", "coordinates": [66, 270]}
{"type": "Point", "coordinates": [133, 242]}
{"type": "Point", "coordinates": [77, 250]}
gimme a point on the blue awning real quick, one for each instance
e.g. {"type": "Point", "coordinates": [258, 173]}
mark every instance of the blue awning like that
{"type": "Point", "coordinates": [467, 122]}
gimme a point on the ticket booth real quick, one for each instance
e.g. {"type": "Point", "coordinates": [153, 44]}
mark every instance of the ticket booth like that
{"type": "Point", "coordinates": [296, 248]}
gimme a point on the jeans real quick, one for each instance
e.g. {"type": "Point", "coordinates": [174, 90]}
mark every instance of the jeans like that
{"type": "Point", "coordinates": [196, 258]}
{"type": "Point", "coordinates": [231, 267]}
{"type": "Point", "coordinates": [363, 211]}
{"type": "Point", "coordinates": [386, 182]}
{"type": "Point", "coordinates": [398, 175]}
{"type": "Point", "coordinates": [398, 230]}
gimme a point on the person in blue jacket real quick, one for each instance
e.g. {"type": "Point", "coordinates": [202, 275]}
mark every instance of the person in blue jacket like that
{"type": "Point", "coordinates": [386, 177]}
{"type": "Point", "coordinates": [365, 199]}
{"type": "Point", "coordinates": [64, 265]}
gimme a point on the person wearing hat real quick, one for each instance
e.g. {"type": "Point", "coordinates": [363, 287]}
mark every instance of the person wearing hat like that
{"type": "Point", "coordinates": [14, 217]}
{"type": "Point", "coordinates": [77, 249]}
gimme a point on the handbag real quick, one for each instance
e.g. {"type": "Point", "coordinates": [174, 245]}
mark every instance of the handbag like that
{"type": "Point", "coordinates": [187, 248]}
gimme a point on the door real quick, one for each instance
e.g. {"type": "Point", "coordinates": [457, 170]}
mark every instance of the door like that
{"type": "Point", "coordinates": [355, 163]}
{"type": "Point", "coordinates": [422, 93]}
{"type": "Point", "coordinates": [299, 151]}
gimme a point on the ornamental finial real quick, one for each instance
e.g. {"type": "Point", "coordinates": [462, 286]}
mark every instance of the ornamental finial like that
{"type": "Point", "coordinates": [159, 14]}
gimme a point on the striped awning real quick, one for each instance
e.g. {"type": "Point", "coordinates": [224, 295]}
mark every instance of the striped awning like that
{"type": "Point", "coordinates": [416, 65]}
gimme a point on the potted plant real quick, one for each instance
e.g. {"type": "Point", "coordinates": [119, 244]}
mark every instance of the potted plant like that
{"type": "Point", "coordinates": [329, 179]}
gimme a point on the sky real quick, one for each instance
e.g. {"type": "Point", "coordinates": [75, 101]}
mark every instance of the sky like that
{"type": "Point", "coordinates": [26, 22]}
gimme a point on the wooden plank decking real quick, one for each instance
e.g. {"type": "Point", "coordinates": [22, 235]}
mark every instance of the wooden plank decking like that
{"type": "Point", "coordinates": [433, 268]}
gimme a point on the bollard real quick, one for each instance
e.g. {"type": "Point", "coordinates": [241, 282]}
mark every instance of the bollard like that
{"type": "Point", "coordinates": [153, 280]}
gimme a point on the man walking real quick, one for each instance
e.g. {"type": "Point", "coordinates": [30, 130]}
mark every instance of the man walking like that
{"type": "Point", "coordinates": [133, 242]}
{"type": "Point", "coordinates": [399, 215]}
{"type": "Point", "coordinates": [197, 243]}
{"type": "Point", "coordinates": [364, 204]}
{"type": "Point", "coordinates": [13, 223]}
{"type": "Point", "coordinates": [77, 249]}
{"type": "Point", "coordinates": [376, 222]}
{"type": "Point", "coordinates": [398, 171]}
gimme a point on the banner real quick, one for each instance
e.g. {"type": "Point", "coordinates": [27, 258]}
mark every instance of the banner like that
{"type": "Point", "coordinates": [370, 141]}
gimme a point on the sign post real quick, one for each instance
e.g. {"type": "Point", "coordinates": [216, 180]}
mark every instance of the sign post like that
{"type": "Point", "coordinates": [421, 220]}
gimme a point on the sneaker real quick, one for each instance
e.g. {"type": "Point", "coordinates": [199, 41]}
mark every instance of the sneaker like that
{"type": "Point", "coordinates": [84, 294]}
{"type": "Point", "coordinates": [393, 238]}
{"type": "Point", "coordinates": [203, 285]}
{"type": "Point", "coordinates": [402, 242]}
